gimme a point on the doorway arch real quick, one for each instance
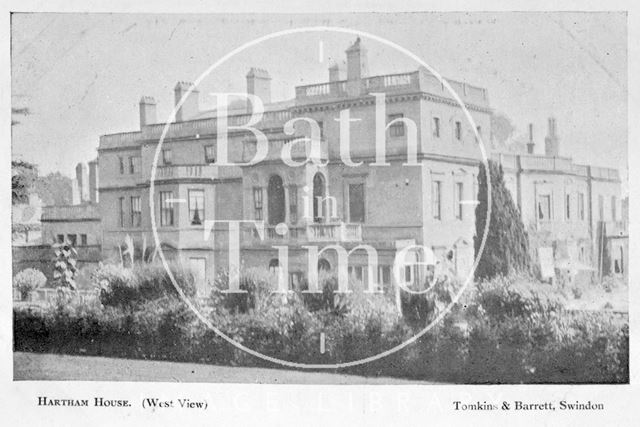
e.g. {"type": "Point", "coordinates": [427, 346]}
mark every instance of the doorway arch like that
{"type": "Point", "coordinates": [276, 204]}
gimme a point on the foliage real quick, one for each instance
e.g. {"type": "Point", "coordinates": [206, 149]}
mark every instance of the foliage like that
{"type": "Point", "coordinates": [28, 280]}
{"type": "Point", "coordinates": [506, 249]}
{"type": "Point", "coordinates": [504, 333]}
{"type": "Point", "coordinates": [23, 175]}
{"type": "Point", "coordinates": [54, 189]}
{"type": "Point", "coordinates": [130, 287]}
{"type": "Point", "coordinates": [64, 266]}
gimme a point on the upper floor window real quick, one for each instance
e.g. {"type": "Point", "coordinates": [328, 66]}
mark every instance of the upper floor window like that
{"type": "Point", "coordinates": [60, 238]}
{"type": "Point", "coordinates": [436, 195]}
{"type": "Point", "coordinates": [567, 206]}
{"type": "Point", "coordinates": [458, 130]}
{"type": "Point", "coordinates": [293, 204]}
{"type": "Point", "coordinates": [600, 208]}
{"type": "Point", "coordinates": [83, 239]}
{"type": "Point", "coordinates": [209, 154]}
{"type": "Point", "coordinates": [136, 211]}
{"type": "Point", "coordinates": [613, 208]}
{"type": "Point", "coordinates": [121, 210]}
{"type": "Point", "coordinates": [321, 126]}
{"type": "Point", "coordinates": [121, 162]}
{"type": "Point", "coordinates": [356, 202]}
{"type": "Point", "coordinates": [459, 191]}
{"type": "Point", "coordinates": [257, 203]}
{"type": "Point", "coordinates": [167, 157]}
{"type": "Point", "coordinates": [134, 164]}
{"type": "Point", "coordinates": [196, 207]}
{"type": "Point", "coordinates": [436, 127]}
{"type": "Point", "coordinates": [581, 206]}
{"type": "Point", "coordinates": [73, 239]}
{"type": "Point", "coordinates": [544, 207]}
{"type": "Point", "coordinates": [396, 128]}
{"type": "Point", "coordinates": [166, 208]}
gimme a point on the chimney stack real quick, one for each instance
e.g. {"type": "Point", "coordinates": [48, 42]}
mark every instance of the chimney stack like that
{"type": "Point", "coordinates": [191, 106]}
{"type": "Point", "coordinates": [357, 67]}
{"type": "Point", "coordinates": [82, 177]}
{"type": "Point", "coordinates": [147, 111]}
{"type": "Point", "coordinates": [259, 84]}
{"type": "Point", "coordinates": [551, 143]}
{"type": "Point", "coordinates": [93, 181]}
{"type": "Point", "coordinates": [530, 144]}
{"type": "Point", "coordinates": [334, 73]}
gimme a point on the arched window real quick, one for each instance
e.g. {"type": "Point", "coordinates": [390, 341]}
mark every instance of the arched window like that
{"type": "Point", "coordinates": [323, 265]}
{"type": "Point", "coordinates": [275, 196]}
{"type": "Point", "coordinates": [319, 194]}
{"type": "Point", "coordinates": [274, 265]}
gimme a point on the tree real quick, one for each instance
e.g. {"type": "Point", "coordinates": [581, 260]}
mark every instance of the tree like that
{"type": "Point", "coordinates": [23, 175]}
{"type": "Point", "coordinates": [54, 189]}
{"type": "Point", "coordinates": [507, 246]}
{"type": "Point", "coordinates": [501, 129]}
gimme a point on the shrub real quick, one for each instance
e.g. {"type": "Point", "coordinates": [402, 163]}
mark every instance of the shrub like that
{"type": "Point", "coordinates": [27, 281]}
{"type": "Point", "coordinates": [128, 287]}
{"type": "Point", "coordinates": [258, 286]}
{"type": "Point", "coordinates": [515, 296]}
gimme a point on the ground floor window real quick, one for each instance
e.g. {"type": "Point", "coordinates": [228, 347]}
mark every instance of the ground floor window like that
{"type": "Point", "coordinates": [196, 207]}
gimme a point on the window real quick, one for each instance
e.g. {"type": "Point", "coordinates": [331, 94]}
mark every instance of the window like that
{"type": "Point", "coordinates": [567, 206]}
{"type": "Point", "coordinates": [435, 199]}
{"type": "Point", "coordinates": [458, 129]}
{"type": "Point", "coordinates": [459, 191]}
{"type": "Point", "coordinates": [356, 202]}
{"type": "Point", "coordinates": [384, 275]}
{"type": "Point", "coordinates": [436, 127]}
{"type": "Point", "coordinates": [136, 211]}
{"type": "Point", "coordinates": [613, 208]}
{"type": "Point", "coordinates": [600, 208]}
{"type": "Point", "coordinates": [581, 206]}
{"type": "Point", "coordinates": [544, 207]}
{"type": "Point", "coordinates": [121, 210]}
{"type": "Point", "coordinates": [166, 208]}
{"type": "Point", "coordinates": [121, 161]}
{"type": "Point", "coordinates": [196, 207]}
{"type": "Point", "coordinates": [209, 154]}
{"type": "Point", "coordinates": [83, 239]}
{"type": "Point", "coordinates": [396, 128]}
{"type": "Point", "coordinates": [293, 204]}
{"type": "Point", "coordinates": [356, 272]}
{"type": "Point", "coordinates": [167, 157]}
{"type": "Point", "coordinates": [72, 238]}
{"type": "Point", "coordinates": [134, 165]}
{"type": "Point", "coordinates": [60, 238]}
{"type": "Point", "coordinates": [321, 126]}
{"type": "Point", "coordinates": [257, 203]}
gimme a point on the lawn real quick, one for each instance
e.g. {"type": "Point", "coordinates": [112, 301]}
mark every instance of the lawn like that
{"type": "Point", "coordinates": [54, 367]}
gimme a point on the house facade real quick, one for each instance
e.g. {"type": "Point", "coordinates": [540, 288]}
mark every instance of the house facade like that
{"type": "Point", "coordinates": [341, 197]}
{"type": "Point", "coordinates": [328, 203]}
{"type": "Point", "coordinates": [571, 208]}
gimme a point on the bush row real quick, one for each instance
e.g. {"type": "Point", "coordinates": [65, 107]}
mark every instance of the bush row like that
{"type": "Point", "coordinates": [502, 332]}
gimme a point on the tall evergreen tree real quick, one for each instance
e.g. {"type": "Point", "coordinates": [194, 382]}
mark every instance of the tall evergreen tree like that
{"type": "Point", "coordinates": [507, 246]}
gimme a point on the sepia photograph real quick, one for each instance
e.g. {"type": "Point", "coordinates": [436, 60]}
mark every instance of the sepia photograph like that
{"type": "Point", "coordinates": [415, 198]}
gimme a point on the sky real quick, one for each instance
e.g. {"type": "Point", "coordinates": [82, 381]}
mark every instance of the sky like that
{"type": "Point", "coordinates": [82, 75]}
